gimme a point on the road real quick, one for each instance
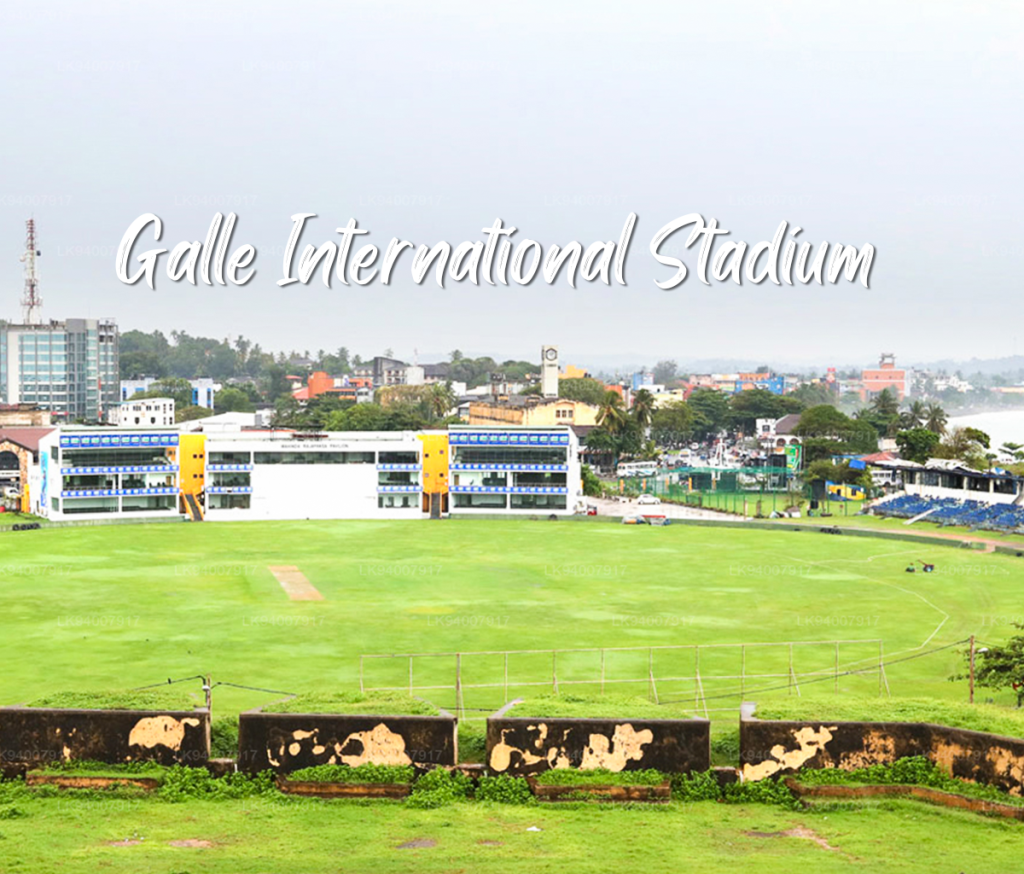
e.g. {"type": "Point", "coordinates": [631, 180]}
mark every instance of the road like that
{"type": "Point", "coordinates": [606, 507]}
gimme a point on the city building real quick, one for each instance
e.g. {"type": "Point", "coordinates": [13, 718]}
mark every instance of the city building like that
{"type": "Point", "coordinates": [69, 368]}
{"type": "Point", "coordinates": [24, 416]}
{"type": "Point", "coordinates": [19, 463]}
{"type": "Point", "coordinates": [532, 411]}
{"type": "Point", "coordinates": [204, 389]}
{"type": "Point", "coordinates": [146, 412]}
{"type": "Point", "coordinates": [886, 376]}
{"type": "Point", "coordinates": [351, 388]}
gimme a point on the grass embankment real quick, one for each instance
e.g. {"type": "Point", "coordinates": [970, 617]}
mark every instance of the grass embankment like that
{"type": "Point", "coordinates": [158, 699]}
{"type": "Point", "coordinates": [354, 703]}
{"type": "Point", "coordinates": [976, 717]}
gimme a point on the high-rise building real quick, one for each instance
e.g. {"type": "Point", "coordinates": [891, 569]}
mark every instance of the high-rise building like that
{"type": "Point", "coordinates": [68, 367]}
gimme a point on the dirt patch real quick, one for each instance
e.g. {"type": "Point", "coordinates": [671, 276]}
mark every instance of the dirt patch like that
{"type": "Point", "coordinates": [125, 843]}
{"type": "Point", "coordinates": [294, 583]}
{"type": "Point", "coordinates": [418, 844]}
{"type": "Point", "coordinates": [796, 832]}
{"type": "Point", "coordinates": [191, 842]}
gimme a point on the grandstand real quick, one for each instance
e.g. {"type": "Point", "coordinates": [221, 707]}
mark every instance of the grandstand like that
{"type": "Point", "coordinates": [967, 513]}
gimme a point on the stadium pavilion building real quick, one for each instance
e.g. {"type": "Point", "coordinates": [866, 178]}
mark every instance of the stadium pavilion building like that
{"type": "Point", "coordinates": [87, 473]}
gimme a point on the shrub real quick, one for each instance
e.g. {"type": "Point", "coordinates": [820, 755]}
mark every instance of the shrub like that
{"type": "Point", "coordinates": [909, 771]}
{"type": "Point", "coordinates": [504, 789]}
{"type": "Point", "coordinates": [440, 787]}
{"type": "Point", "coordinates": [182, 784]}
{"type": "Point", "coordinates": [696, 786]}
{"type": "Point", "coordinates": [472, 742]}
{"type": "Point", "coordinates": [771, 791]}
{"type": "Point", "coordinates": [224, 738]}
{"type": "Point", "coordinates": [367, 773]}
{"type": "Point", "coordinates": [600, 777]}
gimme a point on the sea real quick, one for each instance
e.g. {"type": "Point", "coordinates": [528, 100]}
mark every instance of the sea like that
{"type": "Point", "coordinates": [1004, 426]}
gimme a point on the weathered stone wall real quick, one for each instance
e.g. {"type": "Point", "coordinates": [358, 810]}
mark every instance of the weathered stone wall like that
{"type": "Point", "coordinates": [770, 747]}
{"type": "Point", "coordinates": [39, 735]}
{"type": "Point", "coordinates": [521, 746]}
{"type": "Point", "coordinates": [285, 742]}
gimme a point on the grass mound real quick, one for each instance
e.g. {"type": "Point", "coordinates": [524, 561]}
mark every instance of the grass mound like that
{"type": "Point", "coordinates": [976, 717]}
{"type": "Point", "coordinates": [158, 699]}
{"type": "Point", "coordinates": [383, 703]}
{"type": "Point", "coordinates": [595, 707]}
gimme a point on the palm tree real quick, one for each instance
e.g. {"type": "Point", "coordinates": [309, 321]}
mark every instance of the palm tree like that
{"type": "Point", "coordinates": [885, 404]}
{"type": "Point", "coordinates": [442, 399]}
{"type": "Point", "coordinates": [643, 409]}
{"type": "Point", "coordinates": [936, 419]}
{"type": "Point", "coordinates": [918, 413]}
{"type": "Point", "coordinates": [611, 413]}
{"type": "Point", "coordinates": [908, 421]}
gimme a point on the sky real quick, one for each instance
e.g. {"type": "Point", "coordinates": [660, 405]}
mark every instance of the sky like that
{"type": "Point", "coordinates": [897, 125]}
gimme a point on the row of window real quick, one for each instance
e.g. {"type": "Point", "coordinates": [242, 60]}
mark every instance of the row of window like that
{"type": "Point", "coordinates": [501, 502]}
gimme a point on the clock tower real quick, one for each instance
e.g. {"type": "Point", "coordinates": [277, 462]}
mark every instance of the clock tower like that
{"type": "Point", "coordinates": [549, 371]}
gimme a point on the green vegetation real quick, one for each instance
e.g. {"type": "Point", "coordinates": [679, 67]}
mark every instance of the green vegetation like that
{"type": "Point", "coordinates": [573, 706]}
{"type": "Point", "coordinates": [384, 703]}
{"type": "Point", "coordinates": [82, 835]}
{"type": "Point", "coordinates": [1000, 666]}
{"type": "Point", "coordinates": [224, 737]}
{"type": "Point", "coordinates": [976, 717]}
{"type": "Point", "coordinates": [88, 768]}
{"type": "Point", "coordinates": [162, 699]}
{"type": "Point", "coordinates": [182, 784]}
{"type": "Point", "coordinates": [472, 741]}
{"type": "Point", "coordinates": [203, 602]}
{"type": "Point", "coordinates": [440, 787]}
{"type": "Point", "coordinates": [911, 771]}
{"type": "Point", "coordinates": [504, 789]}
{"type": "Point", "coordinates": [367, 773]}
{"type": "Point", "coordinates": [601, 777]}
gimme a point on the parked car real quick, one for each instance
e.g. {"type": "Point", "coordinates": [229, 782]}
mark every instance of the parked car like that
{"type": "Point", "coordinates": [648, 499]}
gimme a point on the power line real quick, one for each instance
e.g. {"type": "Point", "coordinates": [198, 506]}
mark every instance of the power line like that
{"type": "Point", "coordinates": [826, 677]}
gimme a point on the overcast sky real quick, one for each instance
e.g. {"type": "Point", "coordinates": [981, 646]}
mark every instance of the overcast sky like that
{"type": "Point", "coordinates": [898, 125]}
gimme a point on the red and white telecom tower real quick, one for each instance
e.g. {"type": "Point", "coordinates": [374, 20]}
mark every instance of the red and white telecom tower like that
{"type": "Point", "coordinates": [31, 302]}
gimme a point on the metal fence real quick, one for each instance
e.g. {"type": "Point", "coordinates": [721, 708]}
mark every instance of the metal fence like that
{"type": "Point", "coordinates": [700, 678]}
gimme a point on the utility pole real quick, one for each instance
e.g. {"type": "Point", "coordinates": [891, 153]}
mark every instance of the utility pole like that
{"type": "Point", "coordinates": [972, 671]}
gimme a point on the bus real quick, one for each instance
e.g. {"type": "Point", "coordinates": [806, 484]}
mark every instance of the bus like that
{"type": "Point", "coordinates": [636, 468]}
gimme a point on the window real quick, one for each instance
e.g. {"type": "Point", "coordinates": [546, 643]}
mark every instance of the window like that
{"type": "Point", "coordinates": [229, 502]}
{"type": "Point", "coordinates": [480, 501]}
{"type": "Point", "coordinates": [230, 458]}
{"type": "Point", "coordinates": [398, 458]}
{"type": "Point", "coordinates": [314, 457]}
{"type": "Point", "coordinates": [404, 502]}
{"type": "Point", "coordinates": [538, 502]}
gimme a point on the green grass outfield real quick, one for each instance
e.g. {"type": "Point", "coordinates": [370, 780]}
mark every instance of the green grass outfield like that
{"type": "Point", "coordinates": [251, 837]}
{"type": "Point", "coordinates": [95, 609]}
{"type": "Point", "coordinates": [99, 608]}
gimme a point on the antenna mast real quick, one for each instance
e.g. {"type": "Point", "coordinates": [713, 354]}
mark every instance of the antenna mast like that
{"type": "Point", "coordinates": [31, 302]}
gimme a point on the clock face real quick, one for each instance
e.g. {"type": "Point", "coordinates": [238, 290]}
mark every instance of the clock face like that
{"type": "Point", "coordinates": [551, 354]}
